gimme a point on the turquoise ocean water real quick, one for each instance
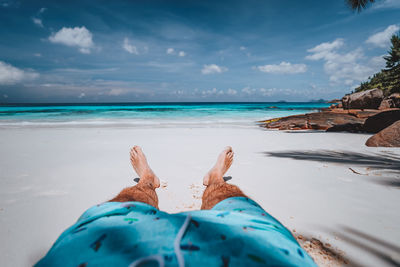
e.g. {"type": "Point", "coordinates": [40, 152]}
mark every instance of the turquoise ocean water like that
{"type": "Point", "coordinates": [141, 114]}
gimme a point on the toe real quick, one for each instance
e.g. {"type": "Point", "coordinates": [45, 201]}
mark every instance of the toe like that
{"type": "Point", "coordinates": [156, 182]}
{"type": "Point", "coordinates": [138, 149]}
{"type": "Point", "coordinates": [133, 152]}
{"type": "Point", "coordinates": [206, 179]}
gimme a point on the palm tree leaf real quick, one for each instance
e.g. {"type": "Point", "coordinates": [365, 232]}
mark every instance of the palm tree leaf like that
{"type": "Point", "coordinates": [359, 4]}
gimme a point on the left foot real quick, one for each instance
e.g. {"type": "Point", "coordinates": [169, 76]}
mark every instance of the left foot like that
{"type": "Point", "coordinates": [142, 168]}
{"type": "Point", "coordinates": [224, 162]}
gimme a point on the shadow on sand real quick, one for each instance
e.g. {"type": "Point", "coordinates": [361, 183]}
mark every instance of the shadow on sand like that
{"type": "Point", "coordinates": [382, 160]}
{"type": "Point", "coordinates": [387, 162]}
{"type": "Point", "coordinates": [385, 251]}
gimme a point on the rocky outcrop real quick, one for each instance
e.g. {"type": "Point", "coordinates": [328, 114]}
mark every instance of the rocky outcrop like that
{"type": "Point", "coordinates": [386, 104]}
{"type": "Point", "coordinates": [395, 98]}
{"type": "Point", "coordinates": [313, 121]}
{"type": "Point", "coordinates": [337, 120]}
{"type": "Point", "coordinates": [381, 120]}
{"type": "Point", "coordinates": [388, 137]}
{"type": "Point", "coordinates": [347, 127]}
{"type": "Point", "coordinates": [363, 114]}
{"type": "Point", "coordinates": [392, 101]}
{"type": "Point", "coordinates": [370, 99]}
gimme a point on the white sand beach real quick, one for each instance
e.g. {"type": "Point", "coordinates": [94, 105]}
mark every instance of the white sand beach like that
{"type": "Point", "coordinates": [342, 193]}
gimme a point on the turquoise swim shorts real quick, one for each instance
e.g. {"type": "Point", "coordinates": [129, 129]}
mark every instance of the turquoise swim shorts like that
{"type": "Point", "coordinates": [236, 232]}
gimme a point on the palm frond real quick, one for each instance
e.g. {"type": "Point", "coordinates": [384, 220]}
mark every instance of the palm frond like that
{"type": "Point", "coordinates": [359, 4]}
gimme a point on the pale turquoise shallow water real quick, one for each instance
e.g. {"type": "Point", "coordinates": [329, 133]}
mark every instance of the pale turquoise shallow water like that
{"type": "Point", "coordinates": [150, 113]}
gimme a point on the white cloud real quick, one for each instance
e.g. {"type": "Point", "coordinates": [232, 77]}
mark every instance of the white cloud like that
{"type": "Point", "coordinates": [245, 51]}
{"type": "Point", "coordinates": [248, 90]}
{"type": "Point", "coordinates": [263, 91]}
{"type": "Point", "coordinates": [347, 68]}
{"type": "Point", "coordinates": [12, 75]}
{"type": "Point", "coordinates": [382, 39]}
{"type": "Point", "coordinates": [254, 93]}
{"type": "Point", "coordinates": [117, 91]}
{"type": "Point", "coordinates": [76, 37]}
{"type": "Point", "coordinates": [37, 54]}
{"type": "Point", "coordinates": [324, 50]}
{"type": "Point", "coordinates": [283, 67]}
{"type": "Point", "coordinates": [384, 4]}
{"type": "Point", "coordinates": [213, 68]}
{"type": "Point", "coordinates": [271, 91]}
{"type": "Point", "coordinates": [344, 67]}
{"type": "Point", "coordinates": [378, 61]}
{"type": "Point", "coordinates": [178, 92]}
{"type": "Point", "coordinates": [81, 95]}
{"type": "Point", "coordinates": [170, 51]}
{"type": "Point", "coordinates": [38, 22]}
{"type": "Point", "coordinates": [129, 47]}
{"type": "Point", "coordinates": [231, 91]}
{"type": "Point", "coordinates": [209, 92]}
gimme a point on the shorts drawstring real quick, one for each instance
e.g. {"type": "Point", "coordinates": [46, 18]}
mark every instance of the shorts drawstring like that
{"type": "Point", "coordinates": [177, 249]}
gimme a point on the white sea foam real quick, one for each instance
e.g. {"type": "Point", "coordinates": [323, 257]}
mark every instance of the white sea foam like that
{"type": "Point", "coordinates": [195, 122]}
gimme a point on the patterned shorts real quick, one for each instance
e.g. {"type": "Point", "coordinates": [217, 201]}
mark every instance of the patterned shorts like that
{"type": "Point", "coordinates": [236, 232]}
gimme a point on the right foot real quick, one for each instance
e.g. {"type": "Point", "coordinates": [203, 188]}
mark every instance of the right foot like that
{"type": "Point", "coordinates": [142, 168]}
{"type": "Point", "coordinates": [224, 161]}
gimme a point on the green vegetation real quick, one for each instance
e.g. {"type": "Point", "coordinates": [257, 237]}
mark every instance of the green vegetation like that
{"type": "Point", "coordinates": [387, 79]}
{"type": "Point", "coordinates": [393, 59]}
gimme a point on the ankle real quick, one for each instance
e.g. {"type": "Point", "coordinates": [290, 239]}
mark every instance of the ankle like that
{"type": "Point", "coordinates": [216, 180]}
{"type": "Point", "coordinates": [147, 183]}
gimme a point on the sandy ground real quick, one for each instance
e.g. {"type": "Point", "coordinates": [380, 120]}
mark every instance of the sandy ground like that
{"type": "Point", "coordinates": [329, 189]}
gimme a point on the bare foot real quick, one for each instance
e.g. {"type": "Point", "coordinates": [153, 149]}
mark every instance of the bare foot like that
{"type": "Point", "coordinates": [142, 168]}
{"type": "Point", "coordinates": [224, 161]}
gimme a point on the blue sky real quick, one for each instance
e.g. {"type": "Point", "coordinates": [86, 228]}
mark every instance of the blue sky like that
{"type": "Point", "coordinates": [135, 51]}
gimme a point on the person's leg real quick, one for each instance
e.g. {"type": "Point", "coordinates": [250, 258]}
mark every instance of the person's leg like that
{"type": "Point", "coordinates": [217, 189]}
{"type": "Point", "coordinates": [144, 191]}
